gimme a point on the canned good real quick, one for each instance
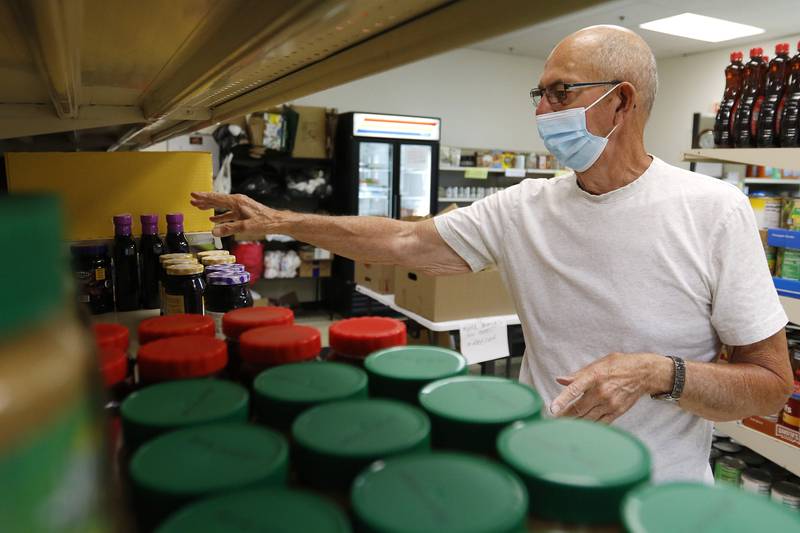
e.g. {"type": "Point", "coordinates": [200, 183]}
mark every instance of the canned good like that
{"type": "Point", "coordinates": [729, 470]}
{"type": "Point", "coordinates": [757, 480]}
{"type": "Point", "coordinates": [727, 447]}
{"type": "Point", "coordinates": [767, 210]}
{"type": "Point", "coordinates": [791, 213]}
{"type": "Point", "coordinates": [787, 494]}
{"type": "Point", "coordinates": [790, 264]}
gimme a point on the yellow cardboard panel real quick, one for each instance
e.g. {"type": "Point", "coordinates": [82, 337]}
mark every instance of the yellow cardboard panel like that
{"type": "Point", "coordinates": [95, 186]}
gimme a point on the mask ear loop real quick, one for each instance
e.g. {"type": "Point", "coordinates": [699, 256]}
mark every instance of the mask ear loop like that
{"type": "Point", "coordinates": [606, 94]}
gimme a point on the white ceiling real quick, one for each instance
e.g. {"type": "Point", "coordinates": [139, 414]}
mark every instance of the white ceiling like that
{"type": "Point", "coordinates": [780, 18]}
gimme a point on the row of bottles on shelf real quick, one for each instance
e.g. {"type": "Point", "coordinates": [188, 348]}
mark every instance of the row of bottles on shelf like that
{"type": "Point", "coordinates": [761, 103]}
{"type": "Point", "coordinates": [469, 193]}
{"type": "Point", "coordinates": [496, 159]}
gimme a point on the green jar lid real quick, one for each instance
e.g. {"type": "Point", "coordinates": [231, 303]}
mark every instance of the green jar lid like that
{"type": "Point", "coordinates": [695, 507]}
{"type": "Point", "coordinates": [576, 471]}
{"type": "Point", "coordinates": [468, 412]}
{"type": "Point", "coordinates": [274, 509]}
{"type": "Point", "coordinates": [31, 227]}
{"type": "Point", "coordinates": [177, 404]}
{"type": "Point", "coordinates": [336, 440]}
{"type": "Point", "coordinates": [401, 372]}
{"type": "Point", "coordinates": [280, 394]}
{"type": "Point", "coordinates": [202, 461]}
{"type": "Point", "coordinates": [441, 492]}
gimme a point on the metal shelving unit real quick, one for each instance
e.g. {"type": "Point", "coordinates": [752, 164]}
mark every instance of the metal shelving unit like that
{"type": "Point", "coordinates": [777, 451]}
{"type": "Point", "coordinates": [543, 171]}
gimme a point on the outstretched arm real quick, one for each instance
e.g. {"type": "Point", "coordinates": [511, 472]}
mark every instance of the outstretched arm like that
{"type": "Point", "coordinates": [371, 239]}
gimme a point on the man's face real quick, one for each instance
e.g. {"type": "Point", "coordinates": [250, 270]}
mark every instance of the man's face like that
{"type": "Point", "coordinates": [560, 68]}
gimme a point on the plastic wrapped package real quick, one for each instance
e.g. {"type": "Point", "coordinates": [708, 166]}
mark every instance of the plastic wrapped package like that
{"type": "Point", "coordinates": [279, 264]}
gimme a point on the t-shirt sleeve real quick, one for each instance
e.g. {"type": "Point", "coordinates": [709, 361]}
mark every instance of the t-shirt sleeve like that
{"type": "Point", "coordinates": [475, 232]}
{"type": "Point", "coordinates": [745, 305]}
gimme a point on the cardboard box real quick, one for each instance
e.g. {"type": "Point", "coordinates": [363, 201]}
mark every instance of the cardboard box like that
{"type": "Point", "coordinates": [310, 139]}
{"type": "Point", "coordinates": [769, 427]}
{"type": "Point", "coordinates": [379, 278]}
{"type": "Point", "coordinates": [441, 298]}
{"type": "Point", "coordinates": [312, 253]}
{"type": "Point", "coordinates": [314, 269]}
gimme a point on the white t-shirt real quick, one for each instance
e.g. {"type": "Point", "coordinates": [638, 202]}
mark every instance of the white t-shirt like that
{"type": "Point", "coordinates": [671, 263]}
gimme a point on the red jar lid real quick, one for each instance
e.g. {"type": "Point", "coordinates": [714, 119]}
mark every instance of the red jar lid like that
{"type": "Point", "coordinates": [277, 345]}
{"type": "Point", "coordinates": [113, 365]}
{"type": "Point", "coordinates": [236, 322]}
{"type": "Point", "coordinates": [112, 335]}
{"type": "Point", "coordinates": [181, 357]}
{"type": "Point", "coordinates": [359, 337]}
{"type": "Point", "coordinates": [163, 327]}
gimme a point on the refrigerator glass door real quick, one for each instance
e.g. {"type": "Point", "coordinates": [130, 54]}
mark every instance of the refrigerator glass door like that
{"type": "Point", "coordinates": [415, 180]}
{"type": "Point", "coordinates": [375, 179]}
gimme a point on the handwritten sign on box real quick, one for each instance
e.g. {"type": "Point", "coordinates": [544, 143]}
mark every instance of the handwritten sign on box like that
{"type": "Point", "coordinates": [484, 340]}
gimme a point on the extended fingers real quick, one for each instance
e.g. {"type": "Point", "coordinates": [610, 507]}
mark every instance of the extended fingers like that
{"type": "Point", "coordinates": [229, 228]}
{"type": "Point", "coordinates": [211, 200]}
{"type": "Point", "coordinates": [228, 216]}
{"type": "Point", "coordinates": [571, 393]}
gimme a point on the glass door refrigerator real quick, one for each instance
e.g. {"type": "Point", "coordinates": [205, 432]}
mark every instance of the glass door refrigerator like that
{"type": "Point", "coordinates": [385, 166]}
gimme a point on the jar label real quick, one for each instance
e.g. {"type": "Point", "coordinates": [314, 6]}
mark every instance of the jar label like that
{"type": "Point", "coordinates": [173, 304]}
{"type": "Point", "coordinates": [727, 474]}
{"type": "Point", "coordinates": [63, 478]}
{"type": "Point", "coordinates": [100, 274]}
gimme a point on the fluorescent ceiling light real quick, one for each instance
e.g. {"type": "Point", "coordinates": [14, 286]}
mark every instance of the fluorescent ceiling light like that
{"type": "Point", "coordinates": [701, 28]}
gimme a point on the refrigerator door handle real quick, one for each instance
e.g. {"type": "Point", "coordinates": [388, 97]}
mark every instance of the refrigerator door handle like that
{"type": "Point", "coordinates": [396, 206]}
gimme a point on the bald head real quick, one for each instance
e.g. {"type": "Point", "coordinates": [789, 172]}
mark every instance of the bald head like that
{"type": "Point", "coordinates": [600, 53]}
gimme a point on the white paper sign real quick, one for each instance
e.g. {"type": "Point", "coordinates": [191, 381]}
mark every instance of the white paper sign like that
{"type": "Point", "coordinates": [515, 172]}
{"type": "Point", "coordinates": [484, 340]}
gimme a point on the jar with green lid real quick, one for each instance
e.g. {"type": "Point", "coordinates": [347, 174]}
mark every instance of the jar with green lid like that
{"type": "Point", "coordinates": [189, 464]}
{"type": "Point", "coordinates": [468, 412]}
{"type": "Point", "coordinates": [280, 394]}
{"type": "Point", "coordinates": [165, 407]}
{"type": "Point", "coordinates": [184, 289]}
{"type": "Point", "coordinates": [441, 492]}
{"type": "Point", "coordinates": [401, 372]}
{"type": "Point", "coordinates": [54, 467]}
{"type": "Point", "coordinates": [335, 441]}
{"type": "Point", "coordinates": [248, 511]}
{"type": "Point", "coordinates": [687, 507]}
{"type": "Point", "coordinates": [577, 472]}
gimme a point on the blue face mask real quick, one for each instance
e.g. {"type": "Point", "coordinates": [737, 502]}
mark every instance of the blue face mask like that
{"type": "Point", "coordinates": [564, 133]}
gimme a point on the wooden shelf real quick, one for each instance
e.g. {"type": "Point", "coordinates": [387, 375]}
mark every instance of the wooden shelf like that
{"type": "Point", "coordinates": [775, 450]}
{"type": "Point", "coordinates": [768, 157]}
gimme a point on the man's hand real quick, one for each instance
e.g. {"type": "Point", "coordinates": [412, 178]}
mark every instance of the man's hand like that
{"type": "Point", "coordinates": [244, 214]}
{"type": "Point", "coordinates": [608, 388]}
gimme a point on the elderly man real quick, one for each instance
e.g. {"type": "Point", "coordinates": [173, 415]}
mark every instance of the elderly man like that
{"type": "Point", "coordinates": [627, 274]}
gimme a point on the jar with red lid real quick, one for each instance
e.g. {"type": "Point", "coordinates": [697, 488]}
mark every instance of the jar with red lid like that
{"type": "Point", "coordinates": [163, 327]}
{"type": "Point", "coordinates": [238, 321]}
{"type": "Point", "coordinates": [116, 376]}
{"type": "Point", "coordinates": [353, 339]}
{"type": "Point", "coordinates": [263, 348]}
{"type": "Point", "coordinates": [112, 336]}
{"type": "Point", "coordinates": [175, 358]}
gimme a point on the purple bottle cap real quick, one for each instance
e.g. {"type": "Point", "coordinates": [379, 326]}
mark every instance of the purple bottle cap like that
{"type": "Point", "coordinates": [174, 222]}
{"type": "Point", "coordinates": [228, 278]}
{"type": "Point", "coordinates": [228, 267]}
{"type": "Point", "coordinates": [122, 224]}
{"type": "Point", "coordinates": [149, 224]}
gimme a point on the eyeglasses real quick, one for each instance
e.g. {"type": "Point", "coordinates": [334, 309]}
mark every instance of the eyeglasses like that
{"type": "Point", "coordinates": [557, 92]}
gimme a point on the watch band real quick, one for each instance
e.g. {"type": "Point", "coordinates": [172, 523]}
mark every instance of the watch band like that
{"type": "Point", "coordinates": [678, 382]}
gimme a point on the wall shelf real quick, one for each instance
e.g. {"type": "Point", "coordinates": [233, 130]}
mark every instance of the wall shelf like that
{"type": "Point", "coordinates": [775, 450]}
{"type": "Point", "coordinates": [458, 200]}
{"type": "Point", "coordinates": [768, 157]}
{"type": "Point", "coordinates": [547, 171]}
{"type": "Point", "coordinates": [772, 181]}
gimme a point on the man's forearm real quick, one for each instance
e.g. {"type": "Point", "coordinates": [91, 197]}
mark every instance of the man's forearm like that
{"type": "Point", "coordinates": [723, 392]}
{"type": "Point", "coordinates": [372, 239]}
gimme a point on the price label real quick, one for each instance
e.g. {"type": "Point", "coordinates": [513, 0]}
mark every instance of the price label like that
{"type": "Point", "coordinates": [515, 172]}
{"type": "Point", "coordinates": [476, 173]}
{"type": "Point", "coordinates": [484, 340]}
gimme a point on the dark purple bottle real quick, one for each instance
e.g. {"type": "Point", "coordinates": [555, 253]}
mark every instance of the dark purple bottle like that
{"type": "Point", "coordinates": [126, 265]}
{"type": "Point", "coordinates": [152, 247]}
{"type": "Point", "coordinates": [176, 240]}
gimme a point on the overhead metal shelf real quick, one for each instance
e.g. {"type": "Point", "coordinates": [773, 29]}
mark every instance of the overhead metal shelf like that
{"type": "Point", "coordinates": [148, 70]}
